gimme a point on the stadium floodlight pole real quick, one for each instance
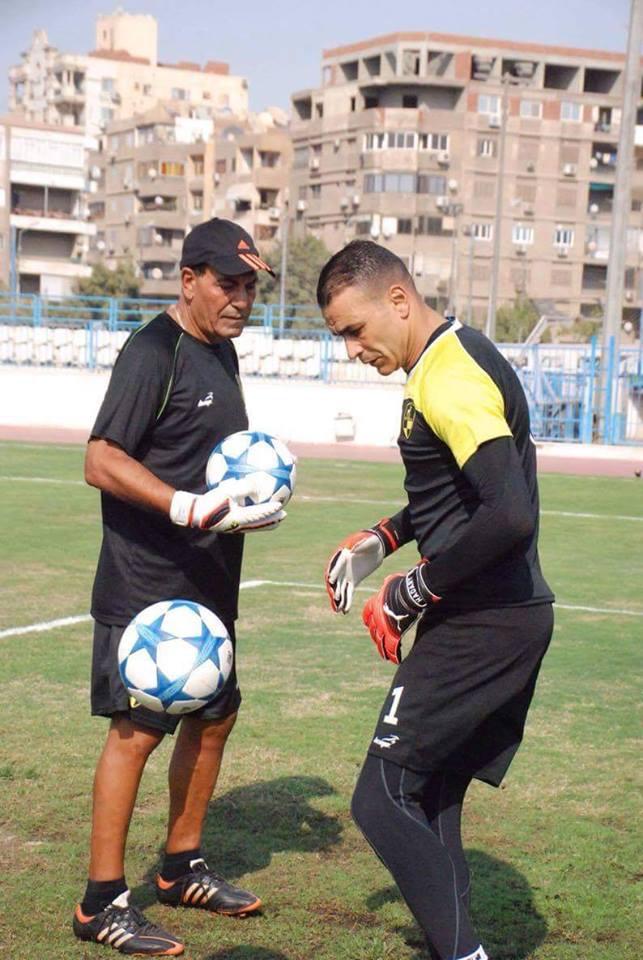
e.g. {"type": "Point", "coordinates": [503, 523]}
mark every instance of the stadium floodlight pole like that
{"type": "Point", "coordinates": [490, 327]}
{"type": "Point", "coordinates": [285, 226]}
{"type": "Point", "coordinates": [623, 182]}
{"type": "Point", "coordinates": [13, 261]}
{"type": "Point", "coordinates": [468, 232]}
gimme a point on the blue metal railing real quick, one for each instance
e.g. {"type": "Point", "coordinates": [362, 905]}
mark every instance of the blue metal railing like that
{"type": "Point", "coordinates": [576, 392]}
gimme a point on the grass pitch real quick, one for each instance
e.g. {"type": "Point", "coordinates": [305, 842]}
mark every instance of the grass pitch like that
{"type": "Point", "coordinates": [553, 852]}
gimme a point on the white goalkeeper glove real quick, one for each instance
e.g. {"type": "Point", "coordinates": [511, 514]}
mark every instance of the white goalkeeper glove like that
{"type": "Point", "coordinates": [222, 510]}
{"type": "Point", "coordinates": [355, 559]}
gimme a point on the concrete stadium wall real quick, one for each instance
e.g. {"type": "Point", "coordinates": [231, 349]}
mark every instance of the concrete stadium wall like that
{"type": "Point", "coordinates": [302, 411]}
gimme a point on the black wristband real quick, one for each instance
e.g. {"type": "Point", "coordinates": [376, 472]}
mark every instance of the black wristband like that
{"type": "Point", "coordinates": [387, 534]}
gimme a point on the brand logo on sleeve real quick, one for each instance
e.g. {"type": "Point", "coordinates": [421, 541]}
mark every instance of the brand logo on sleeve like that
{"type": "Point", "coordinates": [207, 401]}
{"type": "Point", "coordinates": [408, 417]}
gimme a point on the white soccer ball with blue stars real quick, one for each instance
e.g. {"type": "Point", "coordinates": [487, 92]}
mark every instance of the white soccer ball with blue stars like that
{"type": "Point", "coordinates": [260, 455]}
{"type": "Point", "coordinates": [175, 656]}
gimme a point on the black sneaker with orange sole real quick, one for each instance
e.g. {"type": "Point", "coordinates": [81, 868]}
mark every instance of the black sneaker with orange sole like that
{"type": "Point", "coordinates": [126, 929]}
{"type": "Point", "coordinates": [203, 888]}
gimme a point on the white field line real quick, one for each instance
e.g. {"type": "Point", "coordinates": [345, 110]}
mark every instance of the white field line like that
{"type": "Point", "coordinates": [254, 584]}
{"type": "Point", "coordinates": [358, 500]}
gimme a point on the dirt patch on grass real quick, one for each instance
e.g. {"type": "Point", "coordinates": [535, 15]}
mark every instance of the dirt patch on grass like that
{"type": "Point", "coordinates": [343, 916]}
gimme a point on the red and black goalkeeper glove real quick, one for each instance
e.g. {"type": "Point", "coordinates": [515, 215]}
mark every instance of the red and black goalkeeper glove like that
{"type": "Point", "coordinates": [356, 558]}
{"type": "Point", "coordinates": [402, 598]}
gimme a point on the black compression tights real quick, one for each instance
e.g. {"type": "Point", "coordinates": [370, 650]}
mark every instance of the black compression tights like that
{"type": "Point", "coordinates": [412, 821]}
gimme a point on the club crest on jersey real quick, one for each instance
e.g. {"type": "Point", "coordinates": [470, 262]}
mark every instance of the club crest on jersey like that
{"type": "Point", "coordinates": [408, 417]}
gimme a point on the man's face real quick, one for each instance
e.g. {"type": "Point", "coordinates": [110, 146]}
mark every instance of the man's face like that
{"type": "Point", "coordinates": [219, 305]}
{"type": "Point", "coordinates": [373, 327]}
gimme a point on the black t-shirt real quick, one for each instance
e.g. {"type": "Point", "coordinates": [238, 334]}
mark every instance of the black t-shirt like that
{"type": "Point", "coordinates": [460, 394]}
{"type": "Point", "coordinates": [171, 398]}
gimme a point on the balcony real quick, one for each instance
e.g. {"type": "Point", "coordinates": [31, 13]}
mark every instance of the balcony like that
{"type": "Point", "coordinates": [55, 266]}
{"type": "Point", "coordinates": [63, 223]}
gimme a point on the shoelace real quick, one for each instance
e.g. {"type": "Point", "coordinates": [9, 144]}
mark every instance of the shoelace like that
{"type": "Point", "coordinates": [203, 873]}
{"type": "Point", "coordinates": [131, 919]}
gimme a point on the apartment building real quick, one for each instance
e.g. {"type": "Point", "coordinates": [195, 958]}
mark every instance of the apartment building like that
{"type": "Point", "coordinates": [44, 229]}
{"type": "Point", "coordinates": [409, 136]}
{"type": "Point", "coordinates": [157, 174]}
{"type": "Point", "coordinates": [120, 77]}
{"type": "Point", "coordinates": [252, 174]}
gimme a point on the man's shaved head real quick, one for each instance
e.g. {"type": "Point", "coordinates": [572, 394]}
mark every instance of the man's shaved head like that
{"type": "Point", "coordinates": [361, 263]}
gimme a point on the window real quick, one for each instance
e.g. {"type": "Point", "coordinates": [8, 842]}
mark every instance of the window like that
{"type": "Point", "coordinates": [146, 134]}
{"type": "Point", "coordinates": [489, 104]}
{"type": "Point", "coordinates": [570, 111]}
{"type": "Point", "coordinates": [197, 201]}
{"type": "Point", "coordinates": [147, 89]}
{"type": "Point", "coordinates": [487, 147]}
{"type": "Point", "coordinates": [429, 183]}
{"type": "Point", "coordinates": [179, 93]}
{"type": "Point", "coordinates": [170, 168]}
{"type": "Point", "coordinates": [300, 158]}
{"type": "Point", "coordinates": [107, 85]}
{"type": "Point", "coordinates": [409, 101]}
{"type": "Point", "coordinates": [220, 166]}
{"type": "Point", "coordinates": [522, 234]}
{"type": "Point", "coordinates": [531, 108]}
{"type": "Point", "coordinates": [315, 191]}
{"type": "Point", "coordinates": [405, 225]}
{"type": "Point", "coordinates": [106, 114]}
{"type": "Point", "coordinates": [564, 237]}
{"type": "Point", "coordinates": [198, 166]}
{"type": "Point", "coordinates": [370, 102]}
{"type": "Point", "coordinates": [434, 141]}
{"type": "Point", "coordinates": [389, 183]}
{"type": "Point", "coordinates": [484, 189]}
{"type": "Point", "coordinates": [429, 226]}
{"type": "Point", "coordinates": [482, 231]}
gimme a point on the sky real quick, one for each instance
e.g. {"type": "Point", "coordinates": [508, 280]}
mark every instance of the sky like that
{"type": "Point", "coordinates": [278, 44]}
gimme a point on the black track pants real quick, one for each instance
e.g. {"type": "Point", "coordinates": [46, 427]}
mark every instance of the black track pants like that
{"type": "Point", "coordinates": [412, 821]}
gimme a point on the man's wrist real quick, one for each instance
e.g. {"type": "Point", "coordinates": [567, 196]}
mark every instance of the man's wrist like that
{"type": "Point", "coordinates": [181, 508]}
{"type": "Point", "coordinates": [386, 533]}
{"type": "Point", "coordinates": [414, 591]}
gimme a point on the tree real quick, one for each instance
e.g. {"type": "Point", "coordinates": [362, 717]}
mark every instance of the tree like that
{"type": "Point", "coordinates": [515, 322]}
{"type": "Point", "coordinates": [103, 282]}
{"type": "Point", "coordinates": [306, 257]}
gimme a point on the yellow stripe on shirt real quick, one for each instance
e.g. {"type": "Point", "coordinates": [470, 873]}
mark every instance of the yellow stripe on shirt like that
{"type": "Point", "coordinates": [458, 399]}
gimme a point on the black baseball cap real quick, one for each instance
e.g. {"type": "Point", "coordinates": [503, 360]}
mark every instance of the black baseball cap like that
{"type": "Point", "coordinates": [223, 245]}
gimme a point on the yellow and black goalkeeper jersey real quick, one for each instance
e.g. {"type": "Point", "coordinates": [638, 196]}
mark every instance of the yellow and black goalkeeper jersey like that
{"type": "Point", "coordinates": [460, 394]}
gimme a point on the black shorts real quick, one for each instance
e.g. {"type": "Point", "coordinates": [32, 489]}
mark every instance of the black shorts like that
{"type": "Point", "coordinates": [459, 700]}
{"type": "Point", "coordinates": [109, 695]}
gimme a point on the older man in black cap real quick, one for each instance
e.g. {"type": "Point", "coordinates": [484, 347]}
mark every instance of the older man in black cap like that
{"type": "Point", "coordinates": [174, 393]}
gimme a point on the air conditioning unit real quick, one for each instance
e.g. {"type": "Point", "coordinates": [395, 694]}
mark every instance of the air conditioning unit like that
{"type": "Point", "coordinates": [629, 295]}
{"type": "Point", "coordinates": [337, 143]}
{"type": "Point", "coordinates": [356, 200]}
{"type": "Point", "coordinates": [152, 173]}
{"type": "Point", "coordinates": [527, 209]}
{"type": "Point", "coordinates": [273, 213]}
{"type": "Point", "coordinates": [94, 173]}
{"type": "Point", "coordinates": [128, 219]}
{"type": "Point", "coordinates": [314, 163]}
{"type": "Point", "coordinates": [569, 170]}
{"type": "Point", "coordinates": [301, 206]}
{"type": "Point", "coordinates": [444, 158]}
{"type": "Point", "coordinates": [520, 249]}
{"type": "Point", "coordinates": [494, 121]}
{"type": "Point", "coordinates": [531, 167]}
{"type": "Point", "coordinates": [563, 252]}
{"type": "Point", "coordinates": [442, 202]}
{"type": "Point", "coordinates": [344, 202]}
{"type": "Point", "coordinates": [127, 184]}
